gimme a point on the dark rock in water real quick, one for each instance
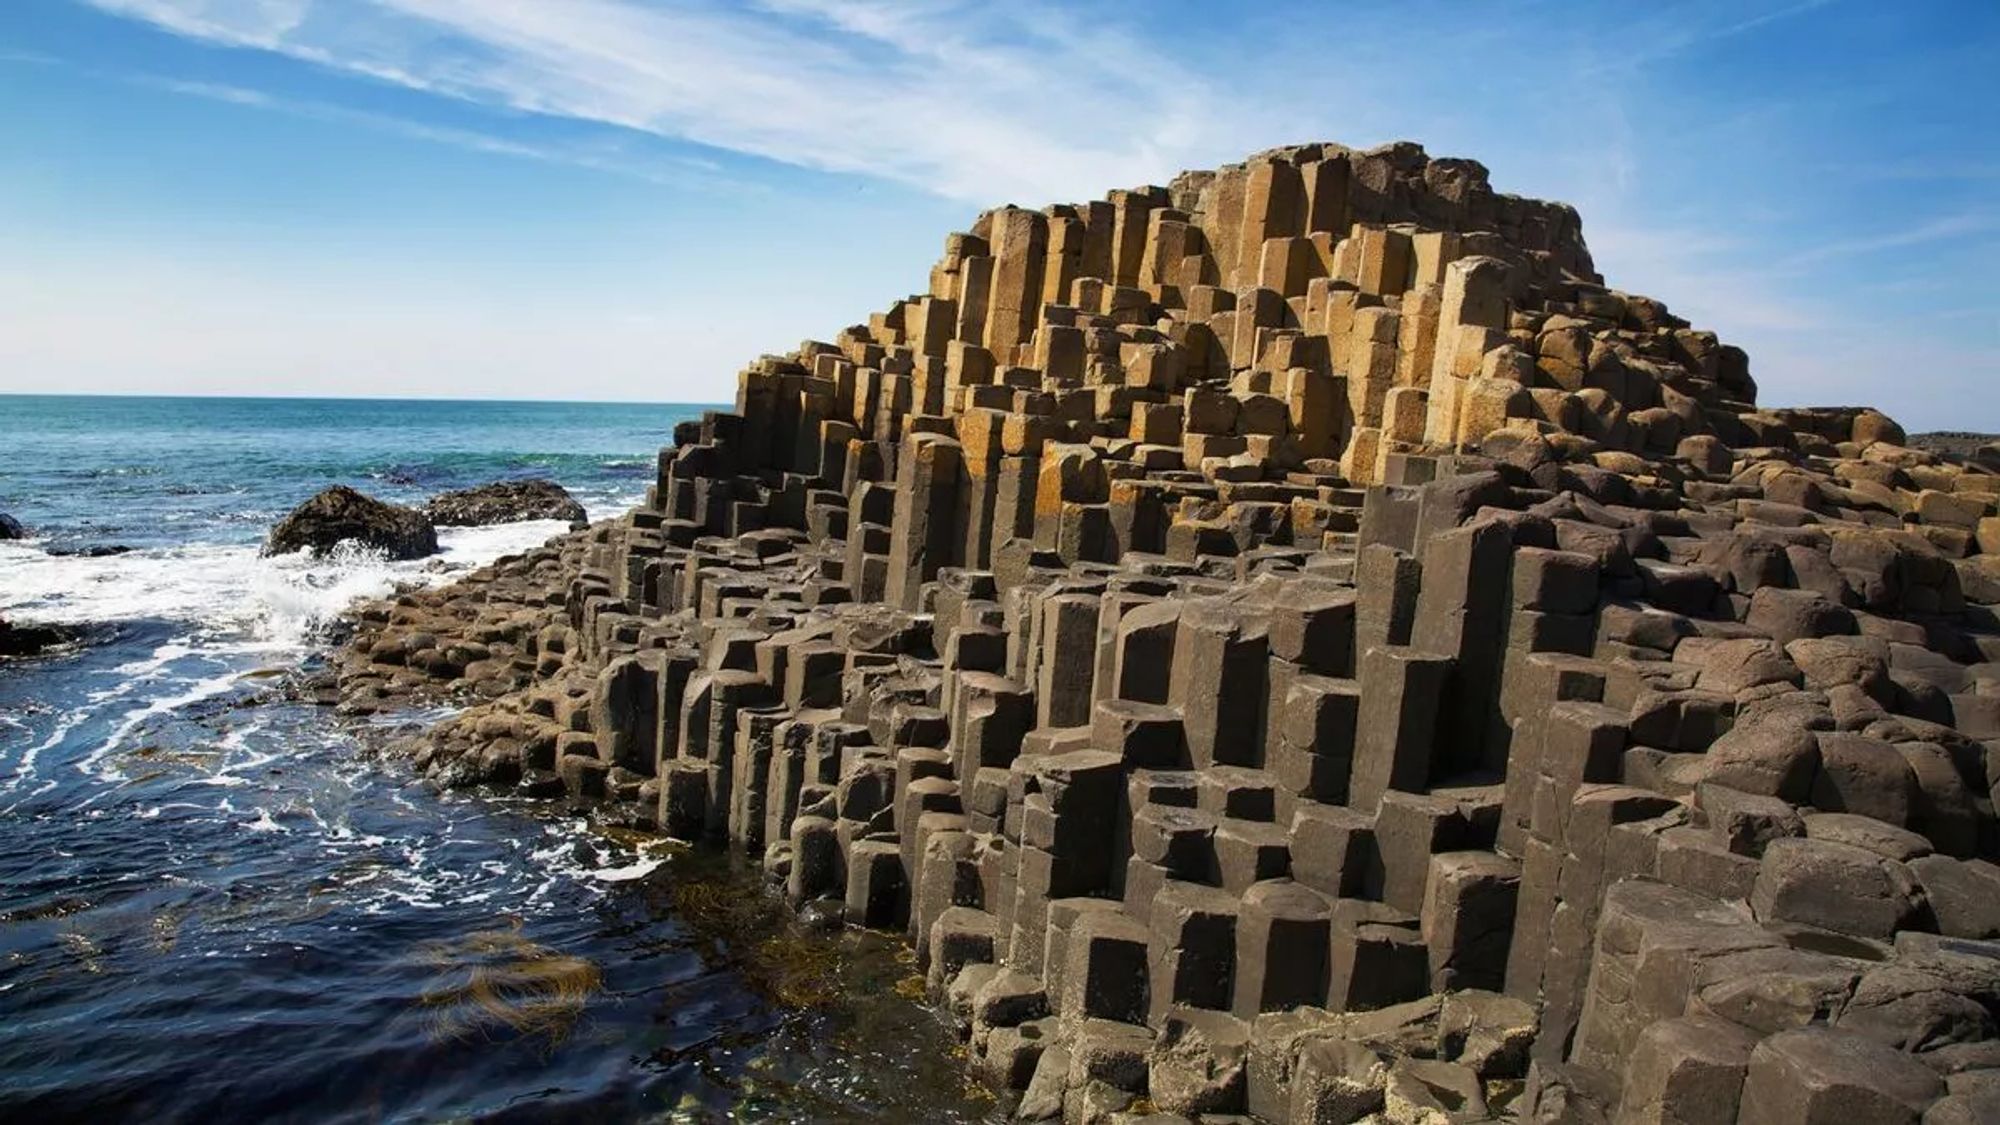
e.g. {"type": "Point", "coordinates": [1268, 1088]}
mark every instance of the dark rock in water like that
{"type": "Point", "coordinates": [29, 640]}
{"type": "Point", "coordinates": [10, 528]}
{"type": "Point", "coordinates": [340, 513]}
{"type": "Point", "coordinates": [505, 501]}
{"type": "Point", "coordinates": [94, 551]}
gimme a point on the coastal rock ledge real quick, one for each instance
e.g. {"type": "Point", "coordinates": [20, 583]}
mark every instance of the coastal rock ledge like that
{"type": "Point", "coordinates": [31, 640]}
{"type": "Point", "coordinates": [340, 514]}
{"type": "Point", "coordinates": [506, 501]}
{"type": "Point", "coordinates": [1295, 644]}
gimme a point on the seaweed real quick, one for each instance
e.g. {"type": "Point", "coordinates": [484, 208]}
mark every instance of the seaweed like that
{"type": "Point", "coordinates": [496, 980]}
{"type": "Point", "coordinates": [757, 939]}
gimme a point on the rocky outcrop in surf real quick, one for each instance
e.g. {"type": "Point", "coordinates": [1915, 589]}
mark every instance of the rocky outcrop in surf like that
{"type": "Point", "coordinates": [342, 515]}
{"type": "Point", "coordinates": [31, 640]}
{"type": "Point", "coordinates": [10, 528]}
{"type": "Point", "coordinates": [506, 501]}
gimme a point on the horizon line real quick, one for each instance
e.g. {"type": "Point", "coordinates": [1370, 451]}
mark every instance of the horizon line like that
{"type": "Point", "coordinates": [362, 398]}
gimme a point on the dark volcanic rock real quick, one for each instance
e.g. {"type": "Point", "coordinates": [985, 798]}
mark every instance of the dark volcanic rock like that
{"type": "Point", "coordinates": [340, 514]}
{"type": "Point", "coordinates": [10, 528]}
{"type": "Point", "coordinates": [505, 501]}
{"type": "Point", "coordinates": [29, 640]}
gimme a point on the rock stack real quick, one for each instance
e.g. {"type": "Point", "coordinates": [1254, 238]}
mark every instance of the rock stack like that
{"type": "Point", "coordinates": [1295, 643]}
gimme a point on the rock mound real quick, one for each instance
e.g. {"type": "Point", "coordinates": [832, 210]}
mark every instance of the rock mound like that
{"type": "Point", "coordinates": [505, 501]}
{"type": "Point", "coordinates": [10, 528]}
{"type": "Point", "coordinates": [340, 514]}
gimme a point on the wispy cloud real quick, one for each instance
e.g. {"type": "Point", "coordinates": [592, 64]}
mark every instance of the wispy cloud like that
{"type": "Point", "coordinates": [1752, 23]}
{"type": "Point", "coordinates": [1701, 273]}
{"type": "Point", "coordinates": [1917, 234]}
{"type": "Point", "coordinates": [27, 58]}
{"type": "Point", "coordinates": [969, 101]}
{"type": "Point", "coordinates": [213, 91]}
{"type": "Point", "coordinates": [669, 170]}
{"type": "Point", "coordinates": [1678, 30]}
{"type": "Point", "coordinates": [1944, 169]}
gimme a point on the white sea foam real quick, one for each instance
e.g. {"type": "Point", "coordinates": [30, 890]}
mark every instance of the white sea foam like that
{"type": "Point", "coordinates": [205, 688]}
{"type": "Point", "coordinates": [637, 869]}
{"type": "Point", "coordinates": [235, 606]}
{"type": "Point", "coordinates": [235, 613]}
{"type": "Point", "coordinates": [229, 588]}
{"type": "Point", "coordinates": [264, 823]}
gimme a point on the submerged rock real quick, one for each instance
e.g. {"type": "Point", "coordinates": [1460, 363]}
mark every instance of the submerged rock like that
{"type": "Point", "coordinates": [340, 514]}
{"type": "Point", "coordinates": [505, 501]}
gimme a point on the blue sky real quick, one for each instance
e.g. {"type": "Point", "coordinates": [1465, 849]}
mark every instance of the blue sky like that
{"type": "Point", "coordinates": [626, 199]}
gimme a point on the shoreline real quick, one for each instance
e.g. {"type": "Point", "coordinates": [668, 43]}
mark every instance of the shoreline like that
{"type": "Point", "coordinates": [191, 825]}
{"type": "Point", "coordinates": [802, 959]}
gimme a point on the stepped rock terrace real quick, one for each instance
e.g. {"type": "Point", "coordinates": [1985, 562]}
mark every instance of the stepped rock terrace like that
{"type": "Point", "coordinates": [1295, 643]}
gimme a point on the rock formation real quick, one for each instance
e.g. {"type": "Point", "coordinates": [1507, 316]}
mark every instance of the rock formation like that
{"type": "Point", "coordinates": [10, 528]}
{"type": "Point", "coordinates": [340, 514]}
{"type": "Point", "coordinates": [32, 640]}
{"type": "Point", "coordinates": [1295, 643]}
{"type": "Point", "coordinates": [505, 501]}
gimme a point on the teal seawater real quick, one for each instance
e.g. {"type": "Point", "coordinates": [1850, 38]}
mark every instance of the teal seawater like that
{"type": "Point", "coordinates": [215, 907]}
{"type": "Point", "coordinates": [154, 471]}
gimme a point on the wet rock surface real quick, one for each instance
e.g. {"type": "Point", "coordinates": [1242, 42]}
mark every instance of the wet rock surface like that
{"type": "Point", "coordinates": [1295, 643]}
{"type": "Point", "coordinates": [32, 640]}
{"type": "Point", "coordinates": [342, 515]}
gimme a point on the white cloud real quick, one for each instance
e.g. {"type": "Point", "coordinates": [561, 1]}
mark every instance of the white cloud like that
{"type": "Point", "coordinates": [666, 171]}
{"type": "Point", "coordinates": [976, 103]}
{"type": "Point", "coordinates": [246, 22]}
{"type": "Point", "coordinates": [1021, 101]}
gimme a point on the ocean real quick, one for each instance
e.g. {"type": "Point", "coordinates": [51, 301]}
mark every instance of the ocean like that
{"type": "Point", "coordinates": [215, 906]}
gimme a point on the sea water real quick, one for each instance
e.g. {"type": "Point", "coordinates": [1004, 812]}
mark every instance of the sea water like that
{"type": "Point", "coordinates": [214, 906]}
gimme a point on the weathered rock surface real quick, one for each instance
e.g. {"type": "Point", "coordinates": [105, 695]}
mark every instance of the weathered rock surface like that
{"type": "Point", "coordinates": [31, 640]}
{"type": "Point", "coordinates": [1295, 642]}
{"type": "Point", "coordinates": [505, 501]}
{"type": "Point", "coordinates": [340, 514]}
{"type": "Point", "coordinates": [10, 528]}
{"type": "Point", "coordinates": [1958, 443]}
